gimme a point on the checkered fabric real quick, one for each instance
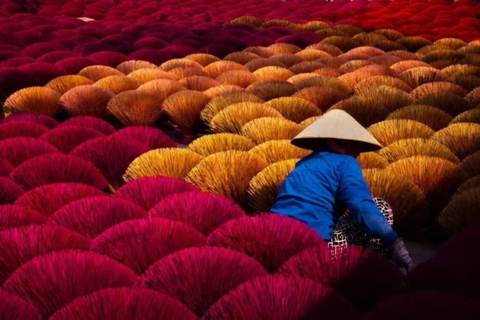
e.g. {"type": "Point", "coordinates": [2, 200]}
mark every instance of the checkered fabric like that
{"type": "Point", "coordinates": [348, 231]}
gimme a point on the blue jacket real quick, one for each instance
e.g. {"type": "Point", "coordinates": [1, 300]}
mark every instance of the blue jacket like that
{"type": "Point", "coordinates": [320, 189]}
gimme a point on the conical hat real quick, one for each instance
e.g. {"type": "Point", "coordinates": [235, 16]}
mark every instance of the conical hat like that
{"type": "Point", "coordinates": [336, 124]}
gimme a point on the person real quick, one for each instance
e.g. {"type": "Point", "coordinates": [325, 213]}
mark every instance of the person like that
{"type": "Point", "coordinates": [329, 181]}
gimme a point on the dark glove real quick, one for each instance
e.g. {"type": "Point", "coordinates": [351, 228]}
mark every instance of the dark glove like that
{"type": "Point", "coordinates": [401, 256]}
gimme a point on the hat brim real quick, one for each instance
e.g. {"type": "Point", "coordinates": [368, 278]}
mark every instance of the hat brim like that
{"type": "Point", "coordinates": [318, 143]}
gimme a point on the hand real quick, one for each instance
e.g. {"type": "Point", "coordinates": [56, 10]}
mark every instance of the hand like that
{"type": "Point", "coordinates": [401, 256]}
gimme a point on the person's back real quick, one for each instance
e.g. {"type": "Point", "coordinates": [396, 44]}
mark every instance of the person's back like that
{"type": "Point", "coordinates": [322, 187]}
{"type": "Point", "coordinates": [313, 187]}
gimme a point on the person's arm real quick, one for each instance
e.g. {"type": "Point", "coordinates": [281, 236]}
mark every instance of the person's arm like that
{"type": "Point", "coordinates": [354, 193]}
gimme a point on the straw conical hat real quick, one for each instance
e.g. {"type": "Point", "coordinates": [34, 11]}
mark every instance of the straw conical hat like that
{"type": "Point", "coordinates": [336, 124]}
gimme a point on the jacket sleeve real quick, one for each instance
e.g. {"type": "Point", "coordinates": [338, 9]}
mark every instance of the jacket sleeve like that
{"type": "Point", "coordinates": [354, 193]}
